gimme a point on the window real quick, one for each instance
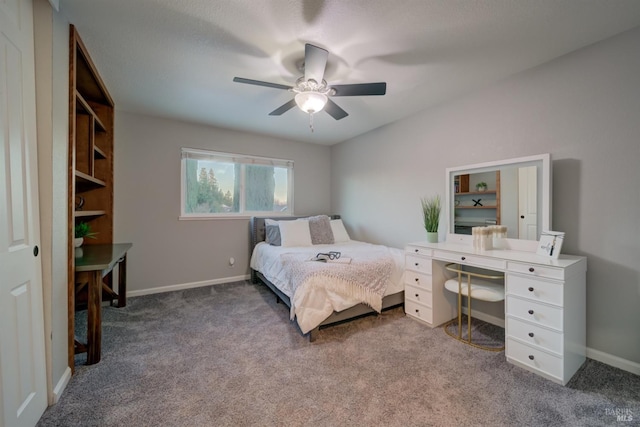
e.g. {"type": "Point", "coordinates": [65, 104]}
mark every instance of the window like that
{"type": "Point", "coordinates": [221, 184]}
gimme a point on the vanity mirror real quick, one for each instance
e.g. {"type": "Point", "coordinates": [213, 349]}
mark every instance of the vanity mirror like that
{"type": "Point", "coordinates": [517, 194]}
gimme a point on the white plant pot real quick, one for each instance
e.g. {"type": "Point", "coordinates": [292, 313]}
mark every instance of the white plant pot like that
{"type": "Point", "coordinates": [77, 242]}
{"type": "Point", "coordinates": [432, 237]}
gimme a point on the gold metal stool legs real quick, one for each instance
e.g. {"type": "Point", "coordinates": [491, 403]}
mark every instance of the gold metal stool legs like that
{"type": "Point", "coordinates": [447, 326]}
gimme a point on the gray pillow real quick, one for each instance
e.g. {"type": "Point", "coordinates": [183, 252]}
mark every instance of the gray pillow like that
{"type": "Point", "coordinates": [320, 229]}
{"type": "Point", "coordinates": [273, 235]}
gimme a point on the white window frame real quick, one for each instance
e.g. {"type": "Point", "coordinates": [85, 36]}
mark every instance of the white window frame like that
{"type": "Point", "coordinates": [243, 160]}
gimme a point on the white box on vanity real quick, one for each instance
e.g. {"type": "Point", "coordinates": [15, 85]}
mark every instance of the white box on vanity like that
{"type": "Point", "coordinates": [545, 298]}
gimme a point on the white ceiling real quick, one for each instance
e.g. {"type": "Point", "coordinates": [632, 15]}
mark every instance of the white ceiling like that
{"type": "Point", "coordinates": [177, 59]}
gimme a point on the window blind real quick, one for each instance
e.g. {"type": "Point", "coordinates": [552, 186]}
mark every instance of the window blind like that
{"type": "Point", "coordinates": [214, 156]}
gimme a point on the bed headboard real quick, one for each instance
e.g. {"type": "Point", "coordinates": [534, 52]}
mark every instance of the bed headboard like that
{"type": "Point", "coordinates": [257, 229]}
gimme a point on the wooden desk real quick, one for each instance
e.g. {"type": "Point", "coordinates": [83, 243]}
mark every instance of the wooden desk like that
{"type": "Point", "coordinates": [98, 261]}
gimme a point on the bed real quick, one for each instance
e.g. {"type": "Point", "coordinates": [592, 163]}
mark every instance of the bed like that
{"type": "Point", "coordinates": [316, 292]}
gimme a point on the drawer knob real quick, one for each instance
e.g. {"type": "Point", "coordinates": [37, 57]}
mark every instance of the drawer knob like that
{"type": "Point", "coordinates": [417, 295]}
{"type": "Point", "coordinates": [530, 311]}
{"type": "Point", "coordinates": [531, 289]}
{"type": "Point", "coordinates": [417, 310]}
{"type": "Point", "coordinates": [531, 269]}
{"type": "Point", "coordinates": [531, 334]}
{"type": "Point", "coordinates": [531, 357]}
{"type": "Point", "coordinates": [416, 250]}
{"type": "Point", "coordinates": [417, 279]}
{"type": "Point", "coordinates": [417, 264]}
{"type": "Point", "coordinates": [463, 258]}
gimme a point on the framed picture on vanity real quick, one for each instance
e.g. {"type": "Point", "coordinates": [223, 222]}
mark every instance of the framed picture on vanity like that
{"type": "Point", "coordinates": [550, 244]}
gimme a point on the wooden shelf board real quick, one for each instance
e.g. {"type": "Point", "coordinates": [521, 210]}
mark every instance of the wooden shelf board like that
{"type": "Point", "coordinates": [476, 207]}
{"type": "Point", "coordinates": [88, 110]}
{"type": "Point", "coordinates": [99, 153]}
{"type": "Point", "coordinates": [475, 193]}
{"type": "Point", "coordinates": [87, 77]}
{"type": "Point", "coordinates": [85, 182]}
{"type": "Point", "coordinates": [86, 214]}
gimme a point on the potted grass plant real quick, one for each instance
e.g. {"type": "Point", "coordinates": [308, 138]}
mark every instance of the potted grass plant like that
{"type": "Point", "coordinates": [82, 230]}
{"type": "Point", "coordinates": [431, 208]}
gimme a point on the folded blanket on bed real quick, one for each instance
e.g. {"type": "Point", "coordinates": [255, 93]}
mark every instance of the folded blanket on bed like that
{"type": "Point", "coordinates": [364, 278]}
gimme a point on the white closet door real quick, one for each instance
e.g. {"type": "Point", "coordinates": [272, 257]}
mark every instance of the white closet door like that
{"type": "Point", "coordinates": [528, 203]}
{"type": "Point", "coordinates": [23, 387]}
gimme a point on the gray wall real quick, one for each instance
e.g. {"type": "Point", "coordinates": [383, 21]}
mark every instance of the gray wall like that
{"type": "Point", "coordinates": [167, 251]}
{"type": "Point", "coordinates": [51, 37]}
{"type": "Point", "coordinates": [584, 109]}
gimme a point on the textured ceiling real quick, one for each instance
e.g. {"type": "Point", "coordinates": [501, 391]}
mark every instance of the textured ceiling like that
{"type": "Point", "coordinates": [177, 59]}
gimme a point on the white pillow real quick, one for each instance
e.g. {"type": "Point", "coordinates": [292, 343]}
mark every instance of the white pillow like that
{"type": "Point", "coordinates": [295, 233]}
{"type": "Point", "coordinates": [339, 232]}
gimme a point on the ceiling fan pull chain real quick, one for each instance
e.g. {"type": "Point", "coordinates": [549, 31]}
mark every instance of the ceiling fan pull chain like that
{"type": "Point", "coordinates": [311, 121]}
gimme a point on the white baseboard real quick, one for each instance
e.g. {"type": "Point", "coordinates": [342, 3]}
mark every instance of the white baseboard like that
{"type": "Point", "coordinates": [190, 285]}
{"type": "Point", "coordinates": [600, 356]}
{"type": "Point", "coordinates": [615, 361]}
{"type": "Point", "coordinates": [61, 385]}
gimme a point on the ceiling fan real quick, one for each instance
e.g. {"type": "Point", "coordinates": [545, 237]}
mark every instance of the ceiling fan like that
{"type": "Point", "coordinates": [311, 90]}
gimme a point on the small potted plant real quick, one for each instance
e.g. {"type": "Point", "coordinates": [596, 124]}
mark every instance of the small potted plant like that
{"type": "Point", "coordinates": [82, 230]}
{"type": "Point", "coordinates": [481, 186]}
{"type": "Point", "coordinates": [431, 208]}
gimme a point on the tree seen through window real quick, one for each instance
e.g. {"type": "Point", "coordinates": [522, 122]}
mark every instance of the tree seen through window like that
{"type": "Point", "coordinates": [216, 187]}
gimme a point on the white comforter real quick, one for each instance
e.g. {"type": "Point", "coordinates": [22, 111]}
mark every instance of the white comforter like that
{"type": "Point", "coordinates": [312, 304]}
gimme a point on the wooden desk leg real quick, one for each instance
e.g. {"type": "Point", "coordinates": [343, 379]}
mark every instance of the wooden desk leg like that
{"type": "Point", "coordinates": [94, 317]}
{"type": "Point", "coordinates": [122, 282]}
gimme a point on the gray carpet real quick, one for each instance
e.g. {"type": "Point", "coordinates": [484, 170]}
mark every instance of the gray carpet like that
{"type": "Point", "coordinates": [228, 355]}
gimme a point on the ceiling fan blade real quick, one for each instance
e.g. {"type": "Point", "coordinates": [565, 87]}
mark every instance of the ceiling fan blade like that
{"type": "Point", "coordinates": [315, 61]}
{"type": "Point", "coordinates": [260, 83]}
{"type": "Point", "coordinates": [334, 110]}
{"type": "Point", "coordinates": [283, 108]}
{"type": "Point", "coordinates": [361, 89]}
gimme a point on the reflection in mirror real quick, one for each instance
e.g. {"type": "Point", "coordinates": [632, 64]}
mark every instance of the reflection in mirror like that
{"type": "Point", "coordinates": [515, 193]}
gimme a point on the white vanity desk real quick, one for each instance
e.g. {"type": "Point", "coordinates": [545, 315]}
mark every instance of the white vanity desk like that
{"type": "Point", "coordinates": [545, 301]}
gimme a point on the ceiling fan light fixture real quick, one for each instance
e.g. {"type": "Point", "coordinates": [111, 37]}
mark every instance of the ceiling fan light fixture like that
{"type": "Point", "coordinates": [311, 90]}
{"type": "Point", "coordinates": [311, 102]}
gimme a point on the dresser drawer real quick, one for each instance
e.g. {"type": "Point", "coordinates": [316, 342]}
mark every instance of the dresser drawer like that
{"type": "Point", "coordinates": [536, 270]}
{"type": "Point", "coordinates": [534, 335]}
{"type": "Point", "coordinates": [464, 259]}
{"type": "Point", "coordinates": [533, 288]}
{"type": "Point", "coordinates": [418, 310]}
{"type": "Point", "coordinates": [412, 293]}
{"type": "Point", "coordinates": [534, 358]}
{"type": "Point", "coordinates": [418, 263]}
{"type": "Point", "coordinates": [417, 250]}
{"type": "Point", "coordinates": [421, 280]}
{"type": "Point", "coordinates": [542, 314]}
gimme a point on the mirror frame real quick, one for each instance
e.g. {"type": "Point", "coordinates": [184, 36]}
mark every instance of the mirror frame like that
{"type": "Point", "coordinates": [543, 159]}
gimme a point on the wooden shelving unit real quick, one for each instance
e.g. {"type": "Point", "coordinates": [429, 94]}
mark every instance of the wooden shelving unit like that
{"type": "Point", "coordinates": [91, 117]}
{"type": "Point", "coordinates": [478, 193]}
{"type": "Point", "coordinates": [462, 194]}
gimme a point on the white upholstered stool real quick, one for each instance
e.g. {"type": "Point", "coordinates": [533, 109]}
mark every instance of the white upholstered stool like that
{"type": "Point", "coordinates": [472, 285]}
